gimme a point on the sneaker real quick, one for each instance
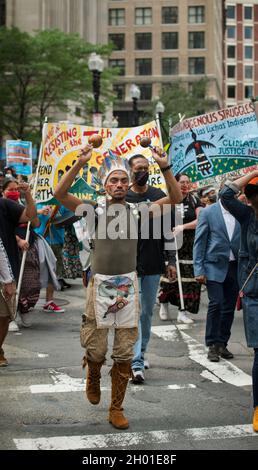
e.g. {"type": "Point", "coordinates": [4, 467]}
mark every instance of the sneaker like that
{"type": "Point", "coordinates": [3, 360]}
{"type": "Point", "coordinates": [183, 317]}
{"type": "Point", "coordinates": [213, 354]}
{"type": "Point", "coordinates": [137, 376]}
{"type": "Point", "coordinates": [52, 307]}
{"type": "Point", "coordinates": [13, 326]}
{"type": "Point", "coordinates": [255, 419]}
{"type": "Point", "coordinates": [25, 319]}
{"type": "Point", "coordinates": [146, 364]}
{"type": "Point", "coordinates": [163, 312]}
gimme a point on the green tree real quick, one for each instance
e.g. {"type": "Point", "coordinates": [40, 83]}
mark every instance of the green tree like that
{"type": "Point", "coordinates": [177, 100]}
{"type": "Point", "coordinates": [39, 74]}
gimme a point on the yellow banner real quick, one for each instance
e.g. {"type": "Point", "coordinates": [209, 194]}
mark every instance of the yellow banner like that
{"type": "Point", "coordinates": [63, 142]}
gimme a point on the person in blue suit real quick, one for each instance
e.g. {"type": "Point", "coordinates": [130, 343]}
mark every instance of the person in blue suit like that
{"type": "Point", "coordinates": [215, 254]}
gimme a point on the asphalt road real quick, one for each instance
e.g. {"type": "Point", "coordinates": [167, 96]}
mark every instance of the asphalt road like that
{"type": "Point", "coordinates": [186, 402]}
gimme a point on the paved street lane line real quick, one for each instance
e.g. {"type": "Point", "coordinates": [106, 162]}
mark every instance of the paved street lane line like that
{"type": "Point", "coordinates": [208, 375]}
{"type": "Point", "coordinates": [63, 383]}
{"type": "Point", "coordinates": [166, 332]}
{"type": "Point", "coordinates": [127, 440]}
{"type": "Point", "coordinates": [224, 370]}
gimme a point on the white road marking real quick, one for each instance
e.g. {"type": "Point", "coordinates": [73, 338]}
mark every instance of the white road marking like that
{"type": "Point", "coordinates": [18, 352]}
{"type": "Point", "coordinates": [63, 383]}
{"type": "Point", "coordinates": [166, 332]}
{"type": "Point", "coordinates": [208, 375]}
{"type": "Point", "coordinates": [224, 370]}
{"type": "Point", "coordinates": [142, 388]}
{"type": "Point", "coordinates": [127, 440]}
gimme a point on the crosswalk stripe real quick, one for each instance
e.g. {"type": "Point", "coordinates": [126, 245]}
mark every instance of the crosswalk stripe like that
{"type": "Point", "coordinates": [127, 440]}
{"type": "Point", "coordinates": [224, 370]}
{"type": "Point", "coordinates": [63, 383]}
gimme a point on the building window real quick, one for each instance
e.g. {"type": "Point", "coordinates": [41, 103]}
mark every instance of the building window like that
{"type": "Point", "coordinates": [248, 52]}
{"type": "Point", "coordinates": [116, 17]}
{"type": "Point", "coordinates": [231, 91]}
{"type": "Point", "coordinates": [231, 32]}
{"type": "Point", "coordinates": [196, 40]}
{"type": "Point", "coordinates": [231, 71]}
{"type": "Point", "coordinates": [196, 65]}
{"type": "Point", "coordinates": [143, 41]}
{"type": "Point", "coordinates": [143, 16]}
{"type": "Point", "coordinates": [169, 15]}
{"type": "Point", "coordinates": [248, 91]}
{"type": "Point", "coordinates": [119, 63]}
{"type": "Point", "coordinates": [196, 14]}
{"type": "Point", "coordinates": [2, 12]}
{"type": "Point", "coordinates": [119, 91]}
{"type": "Point", "coordinates": [248, 32]}
{"type": "Point", "coordinates": [118, 40]}
{"type": "Point", "coordinates": [249, 72]}
{"type": "Point", "coordinates": [231, 52]}
{"type": "Point", "coordinates": [231, 12]}
{"type": "Point", "coordinates": [248, 13]}
{"type": "Point", "coordinates": [146, 91]}
{"type": "Point", "coordinates": [143, 67]}
{"type": "Point", "coordinates": [170, 40]}
{"type": "Point", "coordinates": [170, 66]}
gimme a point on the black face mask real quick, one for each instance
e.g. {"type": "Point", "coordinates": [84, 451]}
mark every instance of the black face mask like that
{"type": "Point", "coordinates": [141, 177]}
{"type": "Point", "coordinates": [213, 198]}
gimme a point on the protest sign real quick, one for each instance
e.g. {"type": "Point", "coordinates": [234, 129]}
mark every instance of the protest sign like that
{"type": "Point", "coordinates": [63, 142]}
{"type": "Point", "coordinates": [19, 156]}
{"type": "Point", "coordinates": [212, 146]}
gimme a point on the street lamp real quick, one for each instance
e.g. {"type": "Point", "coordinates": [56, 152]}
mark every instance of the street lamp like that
{"type": "Point", "coordinates": [159, 109]}
{"type": "Point", "coordinates": [135, 94]}
{"type": "Point", "coordinates": [96, 66]}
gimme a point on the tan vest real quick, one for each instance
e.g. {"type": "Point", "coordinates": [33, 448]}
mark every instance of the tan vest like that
{"type": "Point", "coordinates": [115, 256]}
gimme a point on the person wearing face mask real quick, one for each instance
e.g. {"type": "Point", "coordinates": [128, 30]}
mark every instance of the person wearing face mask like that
{"type": "Point", "coordinates": [30, 288]}
{"type": "Point", "coordinates": [150, 261]}
{"type": "Point", "coordinates": [11, 215]}
{"type": "Point", "coordinates": [215, 255]}
{"type": "Point", "coordinates": [247, 216]}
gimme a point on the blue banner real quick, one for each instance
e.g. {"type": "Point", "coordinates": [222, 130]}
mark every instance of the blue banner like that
{"type": "Point", "coordinates": [212, 145]}
{"type": "Point", "coordinates": [19, 156]}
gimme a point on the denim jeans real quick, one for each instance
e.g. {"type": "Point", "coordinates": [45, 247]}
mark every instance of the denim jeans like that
{"type": "Point", "coordinates": [148, 287]}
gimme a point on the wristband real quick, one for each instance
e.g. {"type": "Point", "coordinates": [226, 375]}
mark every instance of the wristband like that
{"type": "Point", "coordinates": [166, 168]}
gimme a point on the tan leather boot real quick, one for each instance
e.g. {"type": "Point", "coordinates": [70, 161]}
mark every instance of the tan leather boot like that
{"type": "Point", "coordinates": [120, 373]}
{"type": "Point", "coordinates": [93, 382]}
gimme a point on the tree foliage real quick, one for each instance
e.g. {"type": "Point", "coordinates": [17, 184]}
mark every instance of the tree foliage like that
{"type": "Point", "coordinates": [177, 99]}
{"type": "Point", "coordinates": [40, 75]}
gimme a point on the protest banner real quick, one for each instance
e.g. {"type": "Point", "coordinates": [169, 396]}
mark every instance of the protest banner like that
{"type": "Point", "coordinates": [63, 141]}
{"type": "Point", "coordinates": [19, 156]}
{"type": "Point", "coordinates": [216, 145]}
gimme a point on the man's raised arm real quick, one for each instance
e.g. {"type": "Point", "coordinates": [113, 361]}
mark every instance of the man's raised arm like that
{"type": "Point", "coordinates": [174, 192]}
{"type": "Point", "coordinates": [61, 192]}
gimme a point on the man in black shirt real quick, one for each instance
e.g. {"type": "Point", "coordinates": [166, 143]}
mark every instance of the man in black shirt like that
{"type": "Point", "coordinates": [11, 215]}
{"type": "Point", "coordinates": [150, 260]}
